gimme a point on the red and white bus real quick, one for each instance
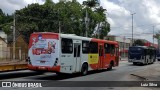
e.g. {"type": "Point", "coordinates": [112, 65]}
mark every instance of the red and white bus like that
{"type": "Point", "coordinates": [68, 53]}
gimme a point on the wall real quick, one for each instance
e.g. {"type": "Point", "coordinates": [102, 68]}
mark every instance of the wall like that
{"type": "Point", "coordinates": [3, 50]}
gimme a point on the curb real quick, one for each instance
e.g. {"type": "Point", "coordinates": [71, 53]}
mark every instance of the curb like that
{"type": "Point", "coordinates": [139, 76]}
{"type": "Point", "coordinates": [123, 60]}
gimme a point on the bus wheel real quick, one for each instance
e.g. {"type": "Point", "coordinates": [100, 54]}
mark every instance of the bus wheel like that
{"type": "Point", "coordinates": [84, 69]}
{"type": "Point", "coordinates": [110, 66]}
{"type": "Point", "coordinates": [134, 63]}
{"type": "Point", "coordinates": [59, 74]}
{"type": "Point", "coordinates": [39, 72]}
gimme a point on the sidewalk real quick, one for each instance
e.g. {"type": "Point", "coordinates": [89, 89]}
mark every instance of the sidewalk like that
{"type": "Point", "coordinates": [150, 73]}
{"type": "Point", "coordinates": [124, 59]}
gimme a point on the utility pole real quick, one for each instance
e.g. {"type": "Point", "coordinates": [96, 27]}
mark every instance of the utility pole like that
{"type": "Point", "coordinates": [153, 35]}
{"type": "Point", "coordinates": [86, 21]}
{"type": "Point", "coordinates": [132, 27]}
{"type": "Point", "coordinates": [14, 29]}
{"type": "Point", "coordinates": [59, 27]}
{"type": "Point", "coordinates": [124, 42]}
{"type": "Point", "coordinates": [59, 22]}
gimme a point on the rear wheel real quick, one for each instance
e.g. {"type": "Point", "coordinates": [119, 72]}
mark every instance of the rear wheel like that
{"type": "Point", "coordinates": [84, 69]}
{"type": "Point", "coordinates": [38, 72]}
{"type": "Point", "coordinates": [110, 66]}
{"type": "Point", "coordinates": [58, 73]}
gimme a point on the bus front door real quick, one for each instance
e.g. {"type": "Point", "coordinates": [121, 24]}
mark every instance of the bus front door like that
{"type": "Point", "coordinates": [77, 59]}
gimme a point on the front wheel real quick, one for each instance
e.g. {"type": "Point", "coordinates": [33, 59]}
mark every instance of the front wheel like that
{"type": "Point", "coordinates": [134, 63]}
{"type": "Point", "coordinates": [84, 69]}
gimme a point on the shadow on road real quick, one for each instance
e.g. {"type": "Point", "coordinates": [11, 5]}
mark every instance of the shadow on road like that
{"type": "Point", "coordinates": [140, 64]}
{"type": "Point", "coordinates": [19, 74]}
{"type": "Point", "coordinates": [9, 75]}
{"type": "Point", "coordinates": [68, 76]}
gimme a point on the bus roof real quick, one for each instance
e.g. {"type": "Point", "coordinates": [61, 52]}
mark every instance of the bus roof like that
{"type": "Point", "coordinates": [87, 38]}
{"type": "Point", "coordinates": [78, 37]}
{"type": "Point", "coordinates": [140, 46]}
{"type": "Point", "coordinates": [75, 37]}
{"type": "Point", "coordinates": [144, 47]}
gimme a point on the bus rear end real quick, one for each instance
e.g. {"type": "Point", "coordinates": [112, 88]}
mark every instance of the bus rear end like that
{"type": "Point", "coordinates": [136, 55]}
{"type": "Point", "coordinates": [43, 52]}
{"type": "Point", "coordinates": [158, 55]}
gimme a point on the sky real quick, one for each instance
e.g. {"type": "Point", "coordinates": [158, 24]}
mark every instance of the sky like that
{"type": "Point", "coordinates": [146, 15]}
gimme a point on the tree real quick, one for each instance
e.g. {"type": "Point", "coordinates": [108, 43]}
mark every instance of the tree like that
{"type": "Point", "coordinates": [5, 22]}
{"type": "Point", "coordinates": [48, 2]}
{"type": "Point", "coordinates": [138, 42]}
{"type": "Point", "coordinates": [70, 15]}
{"type": "Point", "coordinates": [103, 27]}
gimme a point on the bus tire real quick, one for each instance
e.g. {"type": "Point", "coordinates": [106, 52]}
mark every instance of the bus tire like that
{"type": "Point", "coordinates": [38, 71]}
{"type": "Point", "coordinates": [110, 66]}
{"type": "Point", "coordinates": [59, 73]}
{"type": "Point", "coordinates": [134, 63]}
{"type": "Point", "coordinates": [84, 69]}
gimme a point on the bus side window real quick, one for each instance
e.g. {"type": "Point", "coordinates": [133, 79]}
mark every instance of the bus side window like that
{"type": "Point", "coordinates": [107, 48]}
{"type": "Point", "coordinates": [112, 49]}
{"type": "Point", "coordinates": [85, 47]}
{"type": "Point", "coordinates": [145, 52]}
{"type": "Point", "coordinates": [93, 47]}
{"type": "Point", "coordinates": [67, 46]}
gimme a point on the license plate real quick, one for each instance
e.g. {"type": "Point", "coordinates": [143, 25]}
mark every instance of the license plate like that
{"type": "Point", "coordinates": [42, 68]}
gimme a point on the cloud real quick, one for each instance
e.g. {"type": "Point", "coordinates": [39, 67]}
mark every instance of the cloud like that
{"type": "Point", "coordinates": [147, 16]}
{"type": "Point", "coordinates": [118, 15]}
{"type": "Point", "coordinates": [9, 6]}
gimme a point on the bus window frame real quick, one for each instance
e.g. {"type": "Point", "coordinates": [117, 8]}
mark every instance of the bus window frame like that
{"type": "Point", "coordinates": [67, 51]}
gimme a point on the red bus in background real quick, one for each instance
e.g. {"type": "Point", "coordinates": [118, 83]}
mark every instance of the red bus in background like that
{"type": "Point", "coordinates": [68, 53]}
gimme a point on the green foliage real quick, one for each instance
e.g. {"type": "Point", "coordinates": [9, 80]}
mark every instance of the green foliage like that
{"type": "Point", "coordinates": [5, 22]}
{"type": "Point", "coordinates": [138, 43]}
{"type": "Point", "coordinates": [48, 2]}
{"type": "Point", "coordinates": [71, 15]}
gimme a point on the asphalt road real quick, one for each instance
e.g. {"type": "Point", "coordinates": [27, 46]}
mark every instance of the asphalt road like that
{"type": "Point", "coordinates": [121, 73]}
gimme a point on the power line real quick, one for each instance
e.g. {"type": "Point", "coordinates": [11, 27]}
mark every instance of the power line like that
{"type": "Point", "coordinates": [147, 25]}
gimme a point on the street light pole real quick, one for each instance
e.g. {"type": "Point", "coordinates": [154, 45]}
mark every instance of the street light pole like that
{"type": "Point", "coordinates": [14, 43]}
{"type": "Point", "coordinates": [86, 19]}
{"type": "Point", "coordinates": [132, 27]}
{"type": "Point", "coordinates": [153, 35]}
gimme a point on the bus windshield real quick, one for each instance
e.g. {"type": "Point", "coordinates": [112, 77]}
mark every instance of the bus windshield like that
{"type": "Point", "coordinates": [135, 50]}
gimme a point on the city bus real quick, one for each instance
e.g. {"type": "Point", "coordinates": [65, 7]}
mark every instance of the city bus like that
{"type": "Point", "coordinates": [69, 53]}
{"type": "Point", "coordinates": [142, 55]}
{"type": "Point", "coordinates": [158, 55]}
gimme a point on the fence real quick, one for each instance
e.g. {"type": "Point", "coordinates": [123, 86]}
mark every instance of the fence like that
{"type": "Point", "coordinates": [6, 53]}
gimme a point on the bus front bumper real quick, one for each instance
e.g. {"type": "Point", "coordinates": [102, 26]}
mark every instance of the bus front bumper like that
{"type": "Point", "coordinates": [134, 60]}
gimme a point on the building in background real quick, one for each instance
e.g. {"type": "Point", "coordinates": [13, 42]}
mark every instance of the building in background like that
{"type": "Point", "coordinates": [21, 50]}
{"type": "Point", "coordinates": [146, 42]}
{"type": "Point", "coordinates": [3, 45]}
{"type": "Point", "coordinates": [124, 44]}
